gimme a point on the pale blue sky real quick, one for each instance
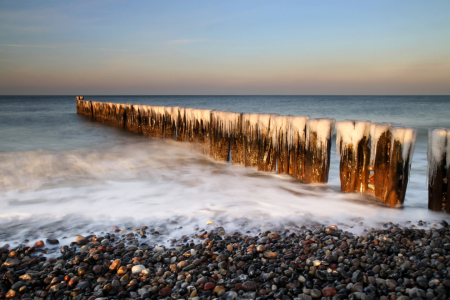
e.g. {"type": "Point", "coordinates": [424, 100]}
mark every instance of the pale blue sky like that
{"type": "Point", "coordinates": [224, 47]}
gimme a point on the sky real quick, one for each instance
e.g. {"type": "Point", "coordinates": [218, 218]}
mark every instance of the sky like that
{"type": "Point", "coordinates": [246, 47]}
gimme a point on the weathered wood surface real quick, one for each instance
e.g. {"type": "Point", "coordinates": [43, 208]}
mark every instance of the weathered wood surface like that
{"type": "Point", "coordinates": [354, 167]}
{"type": "Point", "coordinates": [438, 171]}
{"type": "Point", "coordinates": [352, 143]}
{"type": "Point", "coordinates": [391, 156]}
{"type": "Point", "coordinates": [318, 149]}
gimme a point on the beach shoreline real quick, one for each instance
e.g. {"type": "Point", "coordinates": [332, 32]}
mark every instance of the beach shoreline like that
{"type": "Point", "coordinates": [392, 262]}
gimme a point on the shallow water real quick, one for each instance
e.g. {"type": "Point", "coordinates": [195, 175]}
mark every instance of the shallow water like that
{"type": "Point", "coordinates": [62, 174]}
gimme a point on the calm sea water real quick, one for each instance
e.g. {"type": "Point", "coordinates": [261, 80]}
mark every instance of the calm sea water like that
{"type": "Point", "coordinates": [62, 174]}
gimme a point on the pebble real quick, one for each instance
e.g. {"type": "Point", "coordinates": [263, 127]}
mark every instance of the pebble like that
{"type": "Point", "coordinates": [392, 262]}
{"type": "Point", "coordinates": [138, 269]}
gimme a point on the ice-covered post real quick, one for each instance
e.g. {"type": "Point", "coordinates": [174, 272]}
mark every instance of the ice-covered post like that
{"type": "Point", "coordinates": [392, 149]}
{"type": "Point", "coordinates": [352, 143]}
{"type": "Point", "coordinates": [220, 142]}
{"type": "Point", "coordinates": [296, 139]}
{"type": "Point", "coordinates": [198, 128]}
{"type": "Point", "coordinates": [318, 147]}
{"type": "Point", "coordinates": [251, 139]}
{"type": "Point", "coordinates": [380, 144]}
{"type": "Point", "coordinates": [280, 125]}
{"type": "Point", "coordinates": [266, 156]}
{"type": "Point", "coordinates": [237, 141]}
{"type": "Point", "coordinates": [438, 169]}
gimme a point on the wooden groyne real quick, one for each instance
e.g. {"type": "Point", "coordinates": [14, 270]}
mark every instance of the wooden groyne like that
{"type": "Point", "coordinates": [374, 158]}
{"type": "Point", "coordinates": [438, 169]}
{"type": "Point", "coordinates": [298, 145]}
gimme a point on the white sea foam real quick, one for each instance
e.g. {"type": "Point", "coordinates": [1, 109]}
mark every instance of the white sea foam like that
{"type": "Point", "coordinates": [62, 193]}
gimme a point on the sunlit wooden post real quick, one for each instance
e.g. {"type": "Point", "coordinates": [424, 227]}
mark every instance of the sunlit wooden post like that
{"type": "Point", "coordinates": [237, 141]}
{"type": "Point", "coordinates": [318, 148]}
{"type": "Point", "coordinates": [220, 142]}
{"type": "Point", "coordinates": [266, 157]}
{"type": "Point", "coordinates": [251, 139]}
{"type": "Point", "coordinates": [438, 169]}
{"type": "Point", "coordinates": [296, 138]}
{"type": "Point", "coordinates": [392, 148]}
{"type": "Point", "coordinates": [352, 144]}
{"type": "Point", "coordinates": [280, 128]}
{"type": "Point", "coordinates": [84, 107]}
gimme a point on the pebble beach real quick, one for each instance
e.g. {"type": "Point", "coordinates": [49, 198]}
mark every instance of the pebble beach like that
{"type": "Point", "coordinates": [409, 261]}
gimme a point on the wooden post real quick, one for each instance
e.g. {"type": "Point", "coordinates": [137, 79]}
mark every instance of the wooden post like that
{"type": "Point", "coordinates": [237, 141]}
{"type": "Point", "coordinates": [280, 129]}
{"type": "Point", "coordinates": [223, 124]}
{"type": "Point", "coordinates": [352, 143]}
{"type": "Point", "coordinates": [318, 148]}
{"type": "Point", "coordinates": [392, 148]}
{"type": "Point", "coordinates": [380, 157]}
{"type": "Point", "coordinates": [134, 120]}
{"type": "Point", "coordinates": [438, 169]}
{"type": "Point", "coordinates": [181, 126]}
{"type": "Point", "coordinates": [251, 139]}
{"type": "Point", "coordinates": [266, 159]}
{"type": "Point", "coordinates": [144, 118]}
{"type": "Point", "coordinates": [297, 146]}
{"type": "Point", "coordinates": [84, 107]}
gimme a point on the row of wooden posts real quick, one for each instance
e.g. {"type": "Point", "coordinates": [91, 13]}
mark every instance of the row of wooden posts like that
{"type": "Point", "coordinates": [374, 158]}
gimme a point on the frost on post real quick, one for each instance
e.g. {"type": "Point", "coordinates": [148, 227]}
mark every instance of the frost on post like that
{"type": "Point", "coordinates": [251, 139]}
{"type": "Point", "coordinates": [224, 127]}
{"type": "Point", "coordinates": [438, 169]}
{"type": "Point", "coordinates": [392, 148]}
{"type": "Point", "coordinates": [318, 147]}
{"type": "Point", "coordinates": [296, 144]}
{"type": "Point", "coordinates": [352, 143]}
{"type": "Point", "coordinates": [266, 157]}
{"type": "Point", "coordinates": [197, 128]}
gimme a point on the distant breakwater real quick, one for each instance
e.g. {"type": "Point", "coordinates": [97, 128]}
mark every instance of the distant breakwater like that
{"type": "Point", "coordinates": [375, 158]}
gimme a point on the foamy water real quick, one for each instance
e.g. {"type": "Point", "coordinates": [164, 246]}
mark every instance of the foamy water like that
{"type": "Point", "coordinates": [89, 177]}
{"type": "Point", "coordinates": [63, 193]}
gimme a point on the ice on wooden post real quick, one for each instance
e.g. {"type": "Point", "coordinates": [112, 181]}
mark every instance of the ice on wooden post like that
{"type": "Point", "coordinates": [225, 125]}
{"type": "Point", "coordinates": [402, 149]}
{"type": "Point", "coordinates": [438, 169]}
{"type": "Point", "coordinates": [352, 144]}
{"type": "Point", "coordinates": [266, 155]}
{"type": "Point", "coordinates": [280, 125]}
{"type": "Point", "coordinates": [237, 141]}
{"type": "Point", "coordinates": [318, 147]}
{"type": "Point", "coordinates": [392, 148]}
{"type": "Point", "coordinates": [171, 119]}
{"type": "Point", "coordinates": [296, 144]}
{"type": "Point", "coordinates": [144, 119]}
{"type": "Point", "coordinates": [380, 139]}
{"type": "Point", "coordinates": [251, 139]}
{"type": "Point", "coordinates": [197, 128]}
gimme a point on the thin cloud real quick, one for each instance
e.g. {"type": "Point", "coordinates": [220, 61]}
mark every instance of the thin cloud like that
{"type": "Point", "coordinates": [189, 41]}
{"type": "Point", "coordinates": [185, 41]}
{"type": "Point", "coordinates": [30, 46]}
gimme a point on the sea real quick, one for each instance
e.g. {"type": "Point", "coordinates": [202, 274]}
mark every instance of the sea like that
{"type": "Point", "coordinates": [62, 174]}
